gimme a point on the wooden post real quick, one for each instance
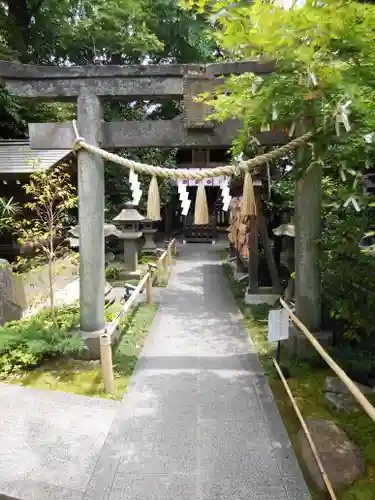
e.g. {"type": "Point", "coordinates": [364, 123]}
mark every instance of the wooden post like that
{"type": "Point", "coordinates": [149, 289]}
{"type": "Point", "coordinates": [269, 254]}
{"type": "Point", "coordinates": [169, 255]}
{"type": "Point", "coordinates": [106, 361]}
{"type": "Point", "coordinates": [253, 267]}
{"type": "Point", "coordinates": [165, 265]}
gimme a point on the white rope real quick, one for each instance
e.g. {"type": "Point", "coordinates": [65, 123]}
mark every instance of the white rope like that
{"type": "Point", "coordinates": [191, 174]}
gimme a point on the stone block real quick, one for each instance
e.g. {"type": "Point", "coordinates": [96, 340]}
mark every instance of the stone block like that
{"type": "Point", "coordinates": [10, 309]}
{"type": "Point", "coordinates": [335, 385]}
{"type": "Point", "coordinates": [341, 402]}
{"type": "Point", "coordinates": [92, 343]}
{"type": "Point", "coordinates": [264, 295]}
{"type": "Point", "coordinates": [339, 397]}
{"type": "Point", "coordinates": [196, 113]}
{"type": "Point", "coordinates": [299, 345]}
{"type": "Point", "coordinates": [342, 459]}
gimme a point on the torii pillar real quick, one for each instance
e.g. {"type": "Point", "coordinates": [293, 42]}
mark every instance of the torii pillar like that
{"type": "Point", "coordinates": [91, 220]}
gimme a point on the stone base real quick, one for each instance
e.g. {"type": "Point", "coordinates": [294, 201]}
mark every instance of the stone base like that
{"type": "Point", "coordinates": [130, 275]}
{"type": "Point", "coordinates": [300, 346]}
{"type": "Point", "coordinates": [150, 250]}
{"type": "Point", "coordinates": [238, 276]}
{"type": "Point", "coordinates": [263, 296]}
{"type": "Point", "coordinates": [92, 341]}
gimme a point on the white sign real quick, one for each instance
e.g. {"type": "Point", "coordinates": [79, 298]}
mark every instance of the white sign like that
{"type": "Point", "coordinates": [278, 325]}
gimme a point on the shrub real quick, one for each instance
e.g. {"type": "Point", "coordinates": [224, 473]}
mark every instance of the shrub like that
{"type": "Point", "coordinates": [26, 343]}
{"type": "Point", "coordinates": [112, 272]}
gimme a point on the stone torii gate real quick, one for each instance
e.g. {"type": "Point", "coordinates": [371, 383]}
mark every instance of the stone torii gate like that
{"type": "Point", "coordinates": [89, 87]}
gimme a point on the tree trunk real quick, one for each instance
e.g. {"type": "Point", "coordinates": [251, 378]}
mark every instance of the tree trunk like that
{"type": "Point", "coordinates": [50, 279]}
{"type": "Point", "coordinates": [20, 38]}
{"type": "Point", "coordinates": [51, 255]}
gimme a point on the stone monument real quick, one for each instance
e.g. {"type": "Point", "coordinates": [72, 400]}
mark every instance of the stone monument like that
{"type": "Point", "coordinates": [10, 310]}
{"type": "Point", "coordinates": [128, 221]}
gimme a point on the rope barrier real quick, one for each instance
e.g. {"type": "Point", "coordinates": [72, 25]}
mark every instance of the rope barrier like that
{"type": "Point", "coordinates": [306, 431]}
{"type": "Point", "coordinates": [191, 174]}
{"type": "Point", "coordinates": [357, 393]}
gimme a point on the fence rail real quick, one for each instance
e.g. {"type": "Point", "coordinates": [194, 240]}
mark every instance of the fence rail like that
{"type": "Point", "coordinates": [164, 262]}
{"type": "Point", "coordinates": [351, 386]}
{"type": "Point", "coordinates": [358, 395]}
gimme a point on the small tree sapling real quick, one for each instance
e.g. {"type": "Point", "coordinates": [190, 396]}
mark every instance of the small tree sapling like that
{"type": "Point", "coordinates": [52, 196]}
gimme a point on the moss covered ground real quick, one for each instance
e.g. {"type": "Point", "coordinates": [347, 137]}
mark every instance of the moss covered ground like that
{"type": "Point", "coordinates": [85, 377]}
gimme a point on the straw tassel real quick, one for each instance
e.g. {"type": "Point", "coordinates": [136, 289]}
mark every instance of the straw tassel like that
{"type": "Point", "coordinates": [153, 200]}
{"type": "Point", "coordinates": [248, 198]}
{"type": "Point", "coordinates": [201, 217]}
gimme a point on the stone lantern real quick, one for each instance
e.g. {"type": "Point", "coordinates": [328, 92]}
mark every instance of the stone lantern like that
{"type": "Point", "coordinates": [149, 232]}
{"type": "Point", "coordinates": [109, 230]}
{"type": "Point", "coordinates": [128, 222]}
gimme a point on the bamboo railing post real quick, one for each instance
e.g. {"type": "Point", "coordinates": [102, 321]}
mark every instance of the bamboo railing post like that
{"type": "Point", "coordinates": [169, 255]}
{"type": "Point", "coordinates": [149, 289]}
{"type": "Point", "coordinates": [106, 361]}
{"type": "Point", "coordinates": [165, 264]}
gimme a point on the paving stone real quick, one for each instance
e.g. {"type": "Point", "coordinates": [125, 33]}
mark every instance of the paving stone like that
{"type": "Point", "coordinates": [74, 475]}
{"type": "Point", "coordinates": [153, 487]}
{"type": "Point", "coordinates": [296, 488]}
{"type": "Point", "coordinates": [15, 463]}
{"type": "Point", "coordinates": [101, 481]}
{"type": "Point", "coordinates": [242, 490]}
{"type": "Point", "coordinates": [161, 446]}
{"type": "Point", "coordinates": [172, 393]}
{"type": "Point", "coordinates": [228, 395]}
{"type": "Point", "coordinates": [237, 450]}
{"type": "Point", "coordinates": [36, 490]}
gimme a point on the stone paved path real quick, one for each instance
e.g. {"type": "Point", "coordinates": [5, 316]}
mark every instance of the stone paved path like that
{"type": "Point", "coordinates": [198, 422]}
{"type": "Point", "coordinates": [50, 442]}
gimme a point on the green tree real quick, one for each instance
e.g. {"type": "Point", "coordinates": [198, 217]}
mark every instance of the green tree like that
{"type": "Point", "coordinates": [324, 56]}
{"type": "Point", "coordinates": [60, 32]}
{"type": "Point", "coordinates": [52, 196]}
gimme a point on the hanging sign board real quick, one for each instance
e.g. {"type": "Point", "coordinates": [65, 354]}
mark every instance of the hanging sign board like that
{"type": "Point", "coordinates": [278, 325]}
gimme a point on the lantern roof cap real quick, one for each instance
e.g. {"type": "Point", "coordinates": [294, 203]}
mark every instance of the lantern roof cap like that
{"type": "Point", "coordinates": [129, 214]}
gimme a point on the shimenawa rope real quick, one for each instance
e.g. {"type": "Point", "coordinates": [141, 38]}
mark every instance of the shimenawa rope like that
{"type": "Point", "coordinates": [192, 174]}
